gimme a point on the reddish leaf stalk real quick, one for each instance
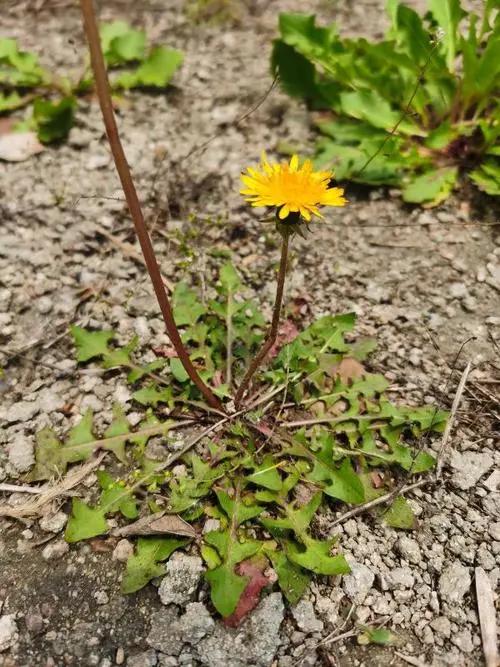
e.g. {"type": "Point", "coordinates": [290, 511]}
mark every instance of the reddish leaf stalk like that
{"type": "Point", "coordinates": [273, 330]}
{"type": "Point", "coordinates": [104, 95]}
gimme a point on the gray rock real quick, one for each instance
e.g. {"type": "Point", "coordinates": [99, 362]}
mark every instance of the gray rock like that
{"type": "Point", "coordinates": [254, 643]}
{"type": "Point", "coordinates": [54, 523]}
{"type": "Point", "coordinates": [409, 549]}
{"type": "Point", "coordinates": [22, 411]}
{"type": "Point", "coordinates": [144, 659]}
{"type": "Point", "coordinates": [358, 582]}
{"type": "Point", "coordinates": [21, 452]}
{"type": "Point", "coordinates": [494, 531]}
{"type": "Point", "coordinates": [454, 583]}
{"type": "Point", "coordinates": [304, 615]}
{"type": "Point", "coordinates": [55, 550]}
{"type": "Point", "coordinates": [442, 626]}
{"type": "Point", "coordinates": [182, 579]}
{"type": "Point", "coordinates": [160, 635]}
{"type": "Point", "coordinates": [493, 481]}
{"type": "Point", "coordinates": [469, 467]}
{"type": "Point", "coordinates": [463, 640]}
{"type": "Point", "coordinates": [400, 578]}
{"type": "Point", "coordinates": [169, 633]}
{"type": "Point", "coordinates": [8, 631]}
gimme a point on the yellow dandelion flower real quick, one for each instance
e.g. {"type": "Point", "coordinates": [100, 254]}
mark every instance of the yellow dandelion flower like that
{"type": "Point", "coordinates": [291, 188]}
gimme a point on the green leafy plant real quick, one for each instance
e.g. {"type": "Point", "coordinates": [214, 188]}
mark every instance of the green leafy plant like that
{"type": "Point", "coordinates": [418, 110]}
{"type": "Point", "coordinates": [53, 98]}
{"type": "Point", "coordinates": [265, 479]}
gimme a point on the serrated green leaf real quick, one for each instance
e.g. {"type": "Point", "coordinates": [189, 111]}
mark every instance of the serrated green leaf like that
{"type": "Point", "coordinates": [314, 555]}
{"type": "Point", "coordinates": [187, 307]}
{"type": "Point", "coordinates": [236, 509]}
{"type": "Point", "coordinates": [229, 278]}
{"type": "Point", "coordinates": [19, 68]}
{"type": "Point", "coordinates": [116, 497]}
{"type": "Point", "coordinates": [266, 475]}
{"type": "Point", "coordinates": [138, 372]}
{"type": "Point", "coordinates": [226, 587]}
{"type": "Point", "coordinates": [85, 522]}
{"type": "Point", "coordinates": [52, 457]}
{"type": "Point", "coordinates": [90, 344]}
{"type": "Point", "coordinates": [120, 356]}
{"type": "Point", "coordinates": [155, 71]}
{"type": "Point", "coordinates": [151, 395]}
{"type": "Point", "coordinates": [400, 514]}
{"type": "Point", "coordinates": [145, 564]}
{"type": "Point", "coordinates": [487, 177]}
{"type": "Point", "coordinates": [121, 43]}
{"type": "Point", "coordinates": [432, 187]}
{"type": "Point", "coordinates": [292, 579]}
{"type": "Point", "coordinates": [210, 556]}
{"type": "Point", "coordinates": [178, 370]}
{"type": "Point", "coordinates": [53, 119]}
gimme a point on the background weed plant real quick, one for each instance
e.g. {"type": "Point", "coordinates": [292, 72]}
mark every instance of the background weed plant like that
{"type": "Point", "coordinates": [419, 109]}
{"type": "Point", "coordinates": [52, 98]}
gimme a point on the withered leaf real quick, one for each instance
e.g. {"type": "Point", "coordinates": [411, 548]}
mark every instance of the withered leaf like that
{"type": "Point", "coordinates": [159, 523]}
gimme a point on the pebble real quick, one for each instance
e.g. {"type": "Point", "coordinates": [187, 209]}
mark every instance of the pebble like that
{"type": "Point", "coordinates": [123, 550]}
{"type": "Point", "coordinates": [21, 452]}
{"type": "Point", "coordinates": [181, 580]}
{"type": "Point", "coordinates": [494, 531]}
{"type": "Point", "coordinates": [55, 550]}
{"type": "Point", "coordinates": [442, 626]}
{"type": "Point", "coordinates": [22, 411]}
{"type": "Point", "coordinates": [358, 582]}
{"type": "Point", "coordinates": [144, 659]}
{"type": "Point", "coordinates": [468, 468]}
{"type": "Point", "coordinates": [304, 615]}
{"type": "Point", "coordinates": [54, 523]}
{"type": "Point", "coordinates": [454, 583]}
{"type": "Point", "coordinates": [8, 631]}
{"type": "Point", "coordinates": [120, 656]}
{"type": "Point", "coordinates": [409, 549]}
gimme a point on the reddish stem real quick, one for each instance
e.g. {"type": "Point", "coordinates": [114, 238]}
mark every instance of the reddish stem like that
{"type": "Point", "coordinates": [104, 95]}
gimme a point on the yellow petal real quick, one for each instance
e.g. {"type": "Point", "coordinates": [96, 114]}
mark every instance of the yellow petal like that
{"type": "Point", "coordinates": [284, 212]}
{"type": "Point", "coordinates": [294, 163]}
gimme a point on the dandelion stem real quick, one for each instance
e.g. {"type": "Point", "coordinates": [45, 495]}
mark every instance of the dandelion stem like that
{"type": "Point", "coordinates": [104, 95]}
{"type": "Point", "coordinates": [273, 330]}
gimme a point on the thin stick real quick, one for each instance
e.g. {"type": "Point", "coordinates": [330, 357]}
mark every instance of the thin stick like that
{"type": "Point", "coordinates": [273, 331]}
{"type": "Point", "coordinates": [14, 488]}
{"type": "Point", "coordinates": [487, 617]}
{"type": "Point", "coordinates": [360, 509]}
{"type": "Point", "coordinates": [449, 424]}
{"type": "Point", "coordinates": [104, 95]}
{"type": "Point", "coordinates": [49, 494]}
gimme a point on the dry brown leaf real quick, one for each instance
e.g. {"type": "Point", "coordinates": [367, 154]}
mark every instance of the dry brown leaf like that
{"type": "Point", "coordinates": [350, 369]}
{"type": "Point", "coordinates": [157, 524]}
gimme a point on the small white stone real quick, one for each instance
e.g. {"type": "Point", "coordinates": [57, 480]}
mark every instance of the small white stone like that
{"type": "Point", "coordinates": [123, 550]}
{"type": "Point", "coordinates": [54, 523]}
{"type": "Point", "coordinates": [8, 631]}
{"type": "Point", "coordinates": [55, 550]}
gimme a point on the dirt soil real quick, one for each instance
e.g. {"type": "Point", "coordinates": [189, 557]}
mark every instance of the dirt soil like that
{"type": "Point", "coordinates": [425, 283]}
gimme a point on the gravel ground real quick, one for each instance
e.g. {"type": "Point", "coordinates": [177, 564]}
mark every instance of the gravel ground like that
{"type": "Point", "coordinates": [67, 255]}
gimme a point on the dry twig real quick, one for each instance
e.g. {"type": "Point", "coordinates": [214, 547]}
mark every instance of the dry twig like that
{"type": "Point", "coordinates": [487, 617]}
{"type": "Point", "coordinates": [449, 424]}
